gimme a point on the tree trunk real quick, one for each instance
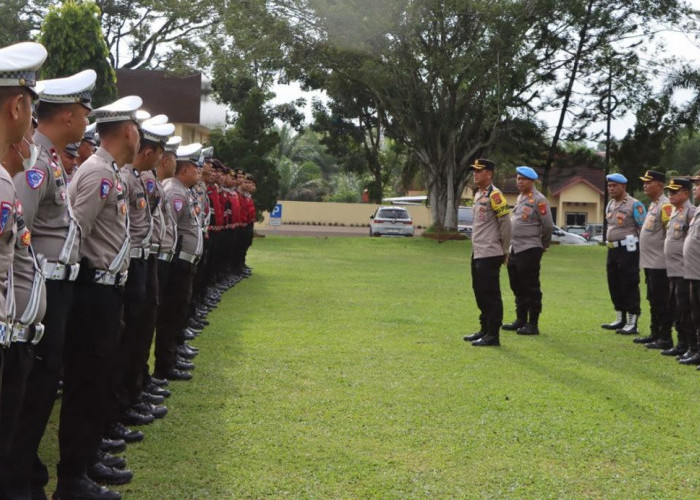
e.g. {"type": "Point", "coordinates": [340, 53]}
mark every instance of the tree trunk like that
{"type": "Point", "coordinates": [444, 195]}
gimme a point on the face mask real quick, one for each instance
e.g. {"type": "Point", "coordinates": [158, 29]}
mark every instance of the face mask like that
{"type": "Point", "coordinates": [33, 155]}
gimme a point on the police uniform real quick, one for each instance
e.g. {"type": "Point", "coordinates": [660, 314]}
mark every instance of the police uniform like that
{"type": "Point", "coordinates": [174, 312]}
{"type": "Point", "coordinates": [691, 264]}
{"type": "Point", "coordinates": [99, 202]}
{"type": "Point", "coordinates": [55, 236]}
{"type": "Point", "coordinates": [491, 238]}
{"type": "Point", "coordinates": [652, 260]}
{"type": "Point", "coordinates": [679, 289]}
{"type": "Point", "coordinates": [624, 219]}
{"type": "Point", "coordinates": [532, 226]}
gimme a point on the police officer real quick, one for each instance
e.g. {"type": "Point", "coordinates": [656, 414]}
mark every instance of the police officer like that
{"type": "Point", "coordinates": [679, 289]}
{"type": "Point", "coordinates": [62, 116]}
{"type": "Point", "coordinates": [87, 147]}
{"type": "Point", "coordinates": [691, 260]}
{"type": "Point", "coordinates": [625, 216]}
{"type": "Point", "coordinates": [652, 260]}
{"type": "Point", "coordinates": [532, 233]}
{"type": "Point", "coordinates": [174, 313]}
{"type": "Point", "coordinates": [99, 203]}
{"type": "Point", "coordinates": [491, 236]}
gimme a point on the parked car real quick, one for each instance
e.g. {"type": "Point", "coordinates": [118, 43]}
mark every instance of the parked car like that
{"type": "Point", "coordinates": [465, 220]}
{"type": "Point", "coordinates": [565, 238]}
{"type": "Point", "coordinates": [394, 221]}
{"type": "Point", "coordinates": [580, 230]}
{"type": "Point", "coordinates": [594, 232]}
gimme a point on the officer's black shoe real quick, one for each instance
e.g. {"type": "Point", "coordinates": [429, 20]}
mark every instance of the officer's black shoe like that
{"type": "Point", "coordinates": [474, 336]}
{"type": "Point", "coordinates": [184, 352]}
{"type": "Point", "coordinates": [191, 348]}
{"type": "Point", "coordinates": [111, 460]}
{"type": "Point", "coordinates": [188, 334]}
{"type": "Point", "coordinates": [157, 411]}
{"type": "Point", "coordinates": [157, 391]}
{"type": "Point", "coordinates": [113, 445]}
{"type": "Point", "coordinates": [195, 327]}
{"type": "Point", "coordinates": [83, 489]}
{"type": "Point", "coordinates": [132, 417]}
{"type": "Point", "coordinates": [684, 355]}
{"type": "Point", "coordinates": [122, 432]}
{"type": "Point", "coordinates": [659, 344]}
{"type": "Point", "coordinates": [643, 340]}
{"type": "Point", "coordinates": [511, 327]}
{"type": "Point", "coordinates": [675, 351]}
{"type": "Point", "coordinates": [488, 340]}
{"type": "Point", "coordinates": [693, 359]}
{"type": "Point", "coordinates": [160, 382]}
{"type": "Point", "coordinates": [176, 374]}
{"type": "Point", "coordinates": [528, 329]}
{"type": "Point", "coordinates": [102, 474]}
{"type": "Point", "coordinates": [183, 365]}
{"type": "Point", "coordinates": [152, 398]}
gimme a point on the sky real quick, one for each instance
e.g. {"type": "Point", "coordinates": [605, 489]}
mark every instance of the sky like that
{"type": "Point", "coordinates": [679, 45]}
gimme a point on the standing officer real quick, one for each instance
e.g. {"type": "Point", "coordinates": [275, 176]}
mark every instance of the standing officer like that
{"type": "Point", "coordinates": [99, 203]}
{"type": "Point", "coordinates": [532, 233]}
{"type": "Point", "coordinates": [625, 215]}
{"type": "Point", "coordinates": [652, 260]}
{"type": "Point", "coordinates": [87, 146]}
{"type": "Point", "coordinates": [691, 260]}
{"type": "Point", "coordinates": [678, 225]}
{"type": "Point", "coordinates": [174, 313]}
{"type": "Point", "coordinates": [62, 114]}
{"type": "Point", "coordinates": [490, 242]}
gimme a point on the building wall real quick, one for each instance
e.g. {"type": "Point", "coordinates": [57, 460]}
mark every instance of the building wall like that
{"type": "Point", "coordinates": [303, 212]}
{"type": "Point", "coordinates": [191, 133]}
{"type": "Point", "coordinates": [579, 198]}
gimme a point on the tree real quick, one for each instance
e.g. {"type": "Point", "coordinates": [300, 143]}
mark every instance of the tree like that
{"type": "Point", "coordinates": [73, 38]}
{"type": "Point", "coordinates": [15, 25]}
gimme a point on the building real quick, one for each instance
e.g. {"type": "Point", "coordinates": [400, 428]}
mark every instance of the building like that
{"type": "Point", "coordinates": [187, 100]}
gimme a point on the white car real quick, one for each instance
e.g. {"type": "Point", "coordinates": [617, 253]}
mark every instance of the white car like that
{"type": "Point", "coordinates": [563, 238]}
{"type": "Point", "coordinates": [393, 221]}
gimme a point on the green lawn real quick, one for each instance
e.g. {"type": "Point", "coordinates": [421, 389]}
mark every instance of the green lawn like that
{"type": "Point", "coordinates": [339, 371]}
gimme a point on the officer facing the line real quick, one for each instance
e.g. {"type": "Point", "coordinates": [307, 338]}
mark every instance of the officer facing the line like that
{"type": "Point", "coordinates": [625, 216]}
{"type": "Point", "coordinates": [491, 235]}
{"type": "Point", "coordinates": [532, 233]}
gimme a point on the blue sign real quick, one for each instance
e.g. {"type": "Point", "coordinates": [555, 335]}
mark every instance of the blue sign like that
{"type": "Point", "coordinates": [276, 215]}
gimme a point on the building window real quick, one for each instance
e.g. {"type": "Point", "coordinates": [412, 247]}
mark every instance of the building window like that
{"type": "Point", "coordinates": [576, 218]}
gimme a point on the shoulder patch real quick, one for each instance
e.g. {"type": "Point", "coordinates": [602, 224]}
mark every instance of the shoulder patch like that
{"type": "Point", "coordinates": [150, 186]}
{"type": "Point", "coordinates": [105, 188]}
{"type": "Point", "coordinates": [498, 204]}
{"type": "Point", "coordinates": [34, 177]}
{"type": "Point", "coordinates": [26, 239]}
{"type": "Point", "coordinates": [178, 204]}
{"type": "Point", "coordinates": [5, 213]}
{"type": "Point", "coordinates": [639, 213]}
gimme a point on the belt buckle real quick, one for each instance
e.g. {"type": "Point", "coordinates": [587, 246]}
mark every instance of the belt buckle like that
{"type": "Point", "coordinates": [38, 333]}
{"type": "Point", "coordinates": [74, 270]}
{"type": "Point", "coordinates": [15, 332]}
{"type": "Point", "coordinates": [5, 335]}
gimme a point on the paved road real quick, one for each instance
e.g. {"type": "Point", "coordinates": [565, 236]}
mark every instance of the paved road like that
{"type": "Point", "coordinates": [316, 231]}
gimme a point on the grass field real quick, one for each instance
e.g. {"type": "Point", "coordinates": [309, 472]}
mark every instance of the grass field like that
{"type": "Point", "coordinates": [339, 371]}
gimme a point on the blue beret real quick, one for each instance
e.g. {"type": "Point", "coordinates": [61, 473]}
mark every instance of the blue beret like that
{"type": "Point", "coordinates": [619, 178]}
{"type": "Point", "coordinates": [528, 172]}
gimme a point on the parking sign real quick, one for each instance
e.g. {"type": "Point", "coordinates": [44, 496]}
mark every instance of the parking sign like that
{"type": "Point", "coordinates": [276, 215]}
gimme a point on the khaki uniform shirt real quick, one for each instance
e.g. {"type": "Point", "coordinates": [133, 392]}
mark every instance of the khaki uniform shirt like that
{"type": "Point", "coordinates": [624, 218]}
{"type": "Point", "coordinates": [204, 210]}
{"type": "Point", "coordinates": [140, 223]}
{"type": "Point", "coordinates": [653, 234]}
{"type": "Point", "coordinates": [43, 192]}
{"type": "Point", "coordinates": [154, 198]}
{"type": "Point", "coordinates": [532, 222]}
{"type": "Point", "coordinates": [676, 232]}
{"type": "Point", "coordinates": [691, 249]}
{"type": "Point", "coordinates": [8, 235]}
{"type": "Point", "coordinates": [491, 229]}
{"type": "Point", "coordinates": [99, 203]}
{"type": "Point", "coordinates": [184, 206]}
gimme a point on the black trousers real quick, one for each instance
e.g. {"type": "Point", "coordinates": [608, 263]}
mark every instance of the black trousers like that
{"type": "Point", "coordinates": [487, 291]}
{"type": "Point", "coordinates": [238, 242]}
{"type": "Point", "coordinates": [695, 307]}
{"type": "Point", "coordinates": [680, 300]}
{"type": "Point", "coordinates": [27, 471]}
{"type": "Point", "coordinates": [173, 314]}
{"type": "Point", "coordinates": [248, 234]}
{"type": "Point", "coordinates": [524, 278]}
{"type": "Point", "coordinates": [148, 322]}
{"type": "Point", "coordinates": [90, 371]}
{"type": "Point", "coordinates": [623, 279]}
{"type": "Point", "coordinates": [657, 295]}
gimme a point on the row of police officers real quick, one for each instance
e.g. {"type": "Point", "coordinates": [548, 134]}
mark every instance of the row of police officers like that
{"type": "Point", "coordinates": [101, 250]}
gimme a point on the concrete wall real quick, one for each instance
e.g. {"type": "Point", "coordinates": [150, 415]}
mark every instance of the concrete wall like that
{"type": "Point", "coordinates": [306, 212]}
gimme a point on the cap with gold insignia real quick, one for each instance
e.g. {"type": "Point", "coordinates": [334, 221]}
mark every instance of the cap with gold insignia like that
{"type": "Point", "coordinates": [91, 135]}
{"type": "Point", "coordinates": [19, 64]}
{"type": "Point", "coordinates": [173, 144]}
{"type": "Point", "coordinates": [157, 133]}
{"type": "Point", "coordinates": [653, 175]}
{"type": "Point", "coordinates": [72, 89]}
{"type": "Point", "coordinates": [124, 109]}
{"type": "Point", "coordinates": [618, 178]}
{"type": "Point", "coordinates": [677, 184]}
{"type": "Point", "coordinates": [482, 164]}
{"type": "Point", "coordinates": [71, 149]}
{"type": "Point", "coordinates": [190, 152]}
